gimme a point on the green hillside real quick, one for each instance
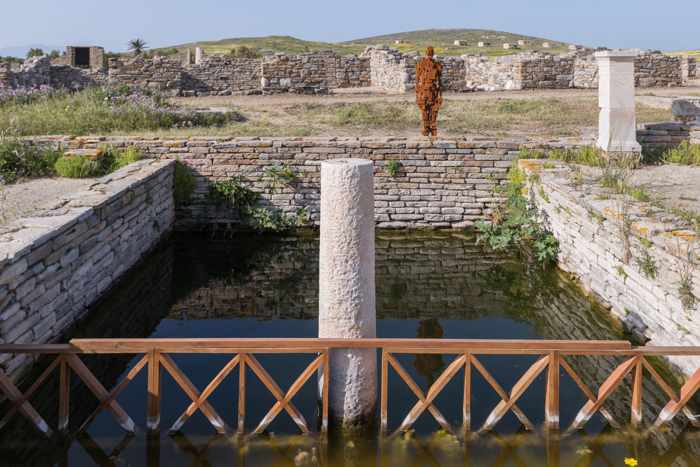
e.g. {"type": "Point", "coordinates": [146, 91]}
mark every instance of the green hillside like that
{"type": "Point", "coordinates": [441, 39]}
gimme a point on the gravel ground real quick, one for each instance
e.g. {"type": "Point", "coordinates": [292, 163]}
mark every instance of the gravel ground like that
{"type": "Point", "coordinates": [30, 197]}
{"type": "Point", "coordinates": [676, 185]}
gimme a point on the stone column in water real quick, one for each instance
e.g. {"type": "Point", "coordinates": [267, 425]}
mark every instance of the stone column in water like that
{"type": "Point", "coordinates": [617, 124]}
{"type": "Point", "coordinates": [346, 285]}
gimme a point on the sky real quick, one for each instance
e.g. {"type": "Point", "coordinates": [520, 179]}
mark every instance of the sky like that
{"type": "Point", "coordinates": [611, 23]}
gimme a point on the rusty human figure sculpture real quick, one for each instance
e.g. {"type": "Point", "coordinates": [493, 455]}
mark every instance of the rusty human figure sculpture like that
{"type": "Point", "coordinates": [429, 91]}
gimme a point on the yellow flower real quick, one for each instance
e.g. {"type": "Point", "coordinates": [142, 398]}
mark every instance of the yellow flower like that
{"type": "Point", "coordinates": [631, 461]}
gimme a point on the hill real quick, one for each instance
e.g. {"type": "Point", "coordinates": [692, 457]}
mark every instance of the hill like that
{"type": "Point", "coordinates": [442, 39]}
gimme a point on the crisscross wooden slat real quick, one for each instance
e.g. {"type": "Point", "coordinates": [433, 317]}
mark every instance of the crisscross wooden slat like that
{"type": "Point", "coordinates": [21, 403]}
{"type": "Point", "coordinates": [116, 391]}
{"type": "Point", "coordinates": [100, 392]}
{"type": "Point", "coordinates": [673, 407]}
{"type": "Point", "coordinates": [518, 390]}
{"type": "Point", "coordinates": [417, 391]}
{"type": "Point", "coordinates": [272, 386]}
{"type": "Point", "coordinates": [293, 389]}
{"type": "Point", "coordinates": [211, 387]}
{"type": "Point", "coordinates": [669, 392]}
{"type": "Point", "coordinates": [502, 393]}
{"type": "Point", "coordinates": [433, 392]}
{"type": "Point", "coordinates": [607, 388]}
{"type": "Point", "coordinates": [189, 388]}
{"type": "Point", "coordinates": [587, 392]}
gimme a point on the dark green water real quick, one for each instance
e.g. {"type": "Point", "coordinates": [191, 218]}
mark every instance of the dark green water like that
{"type": "Point", "coordinates": [428, 285]}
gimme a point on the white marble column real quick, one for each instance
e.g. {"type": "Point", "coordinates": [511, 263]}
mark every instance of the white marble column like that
{"type": "Point", "coordinates": [198, 55]}
{"type": "Point", "coordinates": [617, 124]}
{"type": "Point", "coordinates": [346, 285]}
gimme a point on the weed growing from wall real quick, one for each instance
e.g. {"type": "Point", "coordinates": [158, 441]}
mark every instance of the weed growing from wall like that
{"type": "Point", "coordinates": [392, 168]}
{"type": "Point", "coordinates": [184, 184]}
{"type": "Point", "coordinates": [515, 222]}
{"type": "Point", "coordinates": [233, 193]}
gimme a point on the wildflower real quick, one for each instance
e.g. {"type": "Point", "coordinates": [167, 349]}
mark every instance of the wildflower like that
{"type": "Point", "coordinates": [631, 461]}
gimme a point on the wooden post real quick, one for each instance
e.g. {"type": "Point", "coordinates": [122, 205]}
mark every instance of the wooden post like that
{"type": "Point", "coordinates": [466, 401]}
{"type": "Point", "coordinates": [637, 390]}
{"type": "Point", "coordinates": [384, 413]}
{"type": "Point", "coordinates": [63, 395]}
{"type": "Point", "coordinates": [153, 414]}
{"type": "Point", "coordinates": [241, 394]}
{"type": "Point", "coordinates": [325, 391]}
{"type": "Point", "coordinates": [552, 397]}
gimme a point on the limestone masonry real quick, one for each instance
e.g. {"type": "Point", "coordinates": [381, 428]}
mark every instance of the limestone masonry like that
{"type": "Point", "coordinates": [587, 221]}
{"type": "Point", "coordinates": [380, 67]}
{"type": "Point", "coordinates": [55, 265]}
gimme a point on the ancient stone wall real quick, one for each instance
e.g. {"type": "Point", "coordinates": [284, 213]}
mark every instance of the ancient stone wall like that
{"type": "Point", "coordinates": [159, 73]}
{"type": "Point", "coordinates": [658, 136]}
{"type": "Point", "coordinates": [304, 74]}
{"type": "Point", "coordinates": [381, 67]}
{"type": "Point", "coordinates": [447, 183]}
{"type": "Point", "coordinates": [54, 265]}
{"type": "Point", "coordinates": [607, 259]}
{"type": "Point", "coordinates": [585, 72]}
{"type": "Point", "coordinates": [657, 70]}
{"type": "Point", "coordinates": [484, 74]}
{"type": "Point", "coordinates": [221, 75]}
{"type": "Point", "coordinates": [391, 70]}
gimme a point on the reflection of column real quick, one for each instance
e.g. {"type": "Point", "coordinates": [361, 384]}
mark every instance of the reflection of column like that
{"type": "Point", "coordinates": [617, 125]}
{"type": "Point", "coordinates": [346, 284]}
{"type": "Point", "coordinates": [429, 365]}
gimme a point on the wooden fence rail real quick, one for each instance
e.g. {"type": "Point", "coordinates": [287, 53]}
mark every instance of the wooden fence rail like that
{"type": "Point", "coordinates": [156, 358]}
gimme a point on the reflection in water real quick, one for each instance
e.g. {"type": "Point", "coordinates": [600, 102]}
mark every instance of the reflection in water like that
{"type": "Point", "coordinates": [428, 285]}
{"type": "Point", "coordinates": [429, 365]}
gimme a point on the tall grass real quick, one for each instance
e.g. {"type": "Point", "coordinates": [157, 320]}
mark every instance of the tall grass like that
{"type": "Point", "coordinates": [685, 153]}
{"type": "Point", "coordinates": [21, 160]}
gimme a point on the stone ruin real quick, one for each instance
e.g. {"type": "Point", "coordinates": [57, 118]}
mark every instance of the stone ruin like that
{"type": "Point", "coordinates": [380, 67]}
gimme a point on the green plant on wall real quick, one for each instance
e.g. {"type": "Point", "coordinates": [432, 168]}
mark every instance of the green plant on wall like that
{"type": "Point", "coordinates": [280, 175]}
{"type": "Point", "coordinates": [233, 193]}
{"type": "Point", "coordinates": [392, 168]}
{"type": "Point", "coordinates": [647, 265]}
{"type": "Point", "coordinates": [515, 222]}
{"type": "Point", "coordinates": [184, 184]}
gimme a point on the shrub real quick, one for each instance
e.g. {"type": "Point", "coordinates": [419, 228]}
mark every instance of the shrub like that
{"type": "Point", "coordinates": [232, 192]}
{"type": "Point", "coordinates": [515, 223]}
{"type": "Point", "coordinates": [20, 160]}
{"type": "Point", "coordinates": [126, 157]}
{"type": "Point", "coordinates": [77, 167]}
{"type": "Point", "coordinates": [184, 184]}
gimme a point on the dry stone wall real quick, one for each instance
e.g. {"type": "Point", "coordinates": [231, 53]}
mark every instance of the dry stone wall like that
{"type": "Point", "coordinates": [443, 184]}
{"type": "Point", "coordinates": [588, 221]}
{"type": "Point", "coordinates": [380, 67]}
{"type": "Point", "coordinates": [55, 265]}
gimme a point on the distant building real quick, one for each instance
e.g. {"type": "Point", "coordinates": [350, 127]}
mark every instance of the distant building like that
{"type": "Point", "coordinates": [459, 43]}
{"type": "Point", "coordinates": [546, 45]}
{"type": "Point", "coordinates": [508, 46]}
{"type": "Point", "coordinates": [484, 44]}
{"type": "Point", "coordinates": [399, 41]}
{"type": "Point", "coordinates": [85, 57]}
{"type": "Point", "coordinates": [522, 42]}
{"type": "Point", "coordinates": [574, 47]}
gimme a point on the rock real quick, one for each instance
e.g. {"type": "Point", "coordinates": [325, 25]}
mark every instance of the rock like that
{"type": "Point", "coordinates": [686, 110]}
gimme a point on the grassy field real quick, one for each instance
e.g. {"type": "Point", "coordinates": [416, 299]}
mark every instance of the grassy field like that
{"type": "Point", "coordinates": [441, 39]}
{"type": "Point", "coordinates": [538, 118]}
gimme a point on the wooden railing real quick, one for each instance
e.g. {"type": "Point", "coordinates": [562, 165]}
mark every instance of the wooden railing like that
{"type": "Point", "coordinates": [156, 357]}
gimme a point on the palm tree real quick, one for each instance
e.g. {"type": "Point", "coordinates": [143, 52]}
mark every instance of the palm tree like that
{"type": "Point", "coordinates": [137, 46]}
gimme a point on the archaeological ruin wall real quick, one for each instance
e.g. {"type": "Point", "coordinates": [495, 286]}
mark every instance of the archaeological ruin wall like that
{"type": "Point", "coordinates": [593, 245]}
{"type": "Point", "coordinates": [380, 67]}
{"type": "Point", "coordinates": [56, 264]}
